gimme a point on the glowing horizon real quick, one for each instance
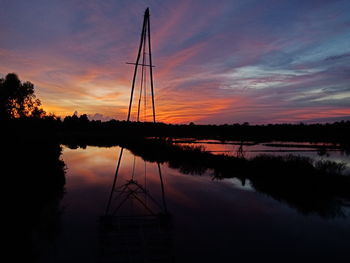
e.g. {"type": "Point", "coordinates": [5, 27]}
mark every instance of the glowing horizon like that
{"type": "Point", "coordinates": [223, 62]}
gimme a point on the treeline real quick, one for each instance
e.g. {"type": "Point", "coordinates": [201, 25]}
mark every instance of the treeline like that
{"type": "Point", "coordinates": [114, 130]}
{"type": "Point", "coordinates": [335, 132]}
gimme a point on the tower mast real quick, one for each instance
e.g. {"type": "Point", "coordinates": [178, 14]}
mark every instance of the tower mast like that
{"type": "Point", "coordinates": [144, 40]}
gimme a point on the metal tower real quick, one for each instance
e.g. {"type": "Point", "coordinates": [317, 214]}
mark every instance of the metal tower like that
{"type": "Point", "coordinates": [145, 43]}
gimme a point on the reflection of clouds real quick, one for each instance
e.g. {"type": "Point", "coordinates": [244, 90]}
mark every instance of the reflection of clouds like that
{"type": "Point", "coordinates": [92, 166]}
{"type": "Point", "coordinates": [95, 167]}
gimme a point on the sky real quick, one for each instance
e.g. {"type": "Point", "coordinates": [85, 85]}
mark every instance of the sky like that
{"type": "Point", "coordinates": [216, 62]}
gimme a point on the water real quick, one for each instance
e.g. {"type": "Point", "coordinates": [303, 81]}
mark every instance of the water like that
{"type": "Point", "coordinates": [316, 151]}
{"type": "Point", "coordinates": [212, 220]}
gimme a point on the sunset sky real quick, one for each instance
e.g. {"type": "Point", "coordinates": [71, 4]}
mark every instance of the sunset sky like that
{"type": "Point", "coordinates": [222, 61]}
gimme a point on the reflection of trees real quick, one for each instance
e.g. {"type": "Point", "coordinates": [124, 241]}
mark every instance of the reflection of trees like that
{"type": "Point", "coordinates": [295, 181]}
{"type": "Point", "coordinates": [34, 161]}
{"type": "Point", "coordinates": [307, 196]}
{"type": "Point", "coordinates": [47, 175]}
{"type": "Point", "coordinates": [308, 186]}
{"type": "Point", "coordinates": [187, 167]}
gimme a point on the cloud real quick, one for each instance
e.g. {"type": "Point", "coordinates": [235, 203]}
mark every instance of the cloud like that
{"type": "Point", "coordinates": [222, 62]}
{"type": "Point", "coordinates": [99, 117]}
{"type": "Point", "coordinates": [341, 56]}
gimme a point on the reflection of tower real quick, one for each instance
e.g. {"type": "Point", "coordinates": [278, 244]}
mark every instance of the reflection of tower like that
{"type": "Point", "coordinates": [133, 190]}
{"type": "Point", "coordinates": [141, 233]}
{"type": "Point", "coordinates": [136, 227]}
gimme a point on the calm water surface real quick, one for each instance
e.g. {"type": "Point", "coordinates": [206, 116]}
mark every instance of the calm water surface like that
{"type": "Point", "coordinates": [212, 220]}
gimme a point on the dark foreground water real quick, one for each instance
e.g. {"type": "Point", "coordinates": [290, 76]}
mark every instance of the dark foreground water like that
{"type": "Point", "coordinates": [212, 220]}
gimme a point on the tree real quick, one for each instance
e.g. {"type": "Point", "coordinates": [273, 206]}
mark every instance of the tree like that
{"type": "Point", "coordinates": [83, 119]}
{"type": "Point", "coordinates": [17, 99]}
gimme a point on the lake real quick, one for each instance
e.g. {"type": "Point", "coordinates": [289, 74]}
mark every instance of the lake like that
{"type": "Point", "coordinates": [211, 220]}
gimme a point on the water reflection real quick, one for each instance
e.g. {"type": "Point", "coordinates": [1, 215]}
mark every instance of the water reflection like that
{"type": "Point", "coordinates": [289, 179]}
{"type": "Point", "coordinates": [213, 220]}
{"type": "Point", "coordinates": [136, 227]}
{"type": "Point", "coordinates": [132, 189]}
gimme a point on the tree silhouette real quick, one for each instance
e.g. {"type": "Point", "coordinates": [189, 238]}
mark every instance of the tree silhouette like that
{"type": "Point", "coordinates": [17, 99]}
